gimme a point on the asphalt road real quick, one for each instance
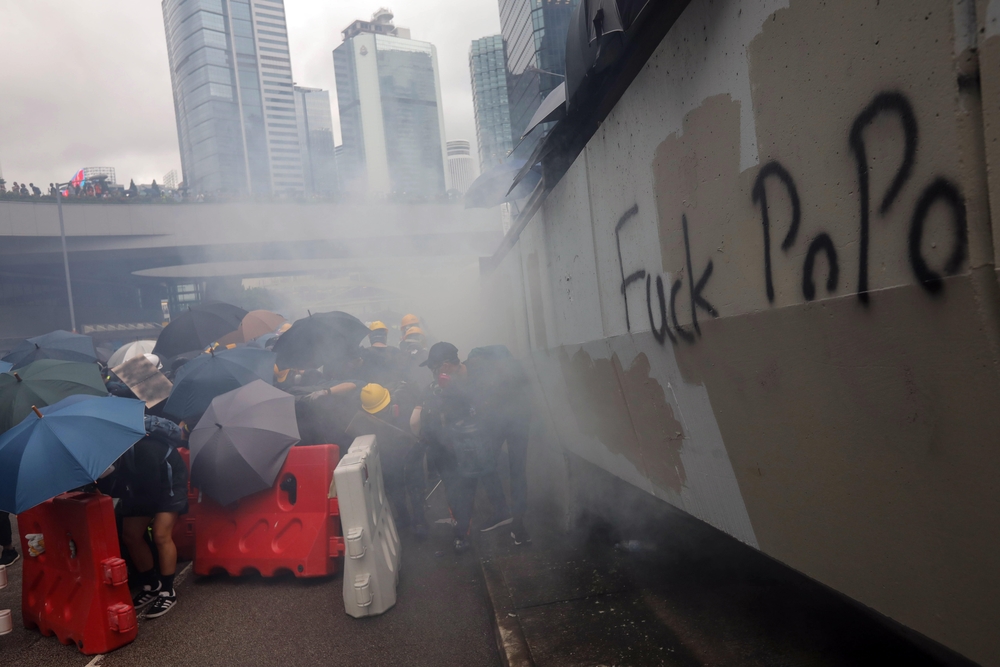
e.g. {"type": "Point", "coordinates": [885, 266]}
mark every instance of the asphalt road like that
{"type": "Point", "coordinates": [441, 618]}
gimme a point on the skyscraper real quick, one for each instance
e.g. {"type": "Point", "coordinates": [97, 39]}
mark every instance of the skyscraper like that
{"type": "Point", "coordinates": [534, 33]}
{"type": "Point", "coordinates": [488, 69]}
{"type": "Point", "coordinates": [461, 166]}
{"type": "Point", "coordinates": [391, 119]}
{"type": "Point", "coordinates": [315, 121]}
{"type": "Point", "coordinates": [232, 81]}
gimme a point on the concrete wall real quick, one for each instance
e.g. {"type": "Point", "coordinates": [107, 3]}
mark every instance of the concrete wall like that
{"type": "Point", "coordinates": [766, 293]}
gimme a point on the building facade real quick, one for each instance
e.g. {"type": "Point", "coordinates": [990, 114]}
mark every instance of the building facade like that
{"type": "Point", "coordinates": [488, 71]}
{"type": "Point", "coordinates": [534, 34]}
{"type": "Point", "coordinates": [391, 118]}
{"type": "Point", "coordinates": [231, 75]}
{"type": "Point", "coordinates": [461, 167]}
{"type": "Point", "coordinates": [315, 121]}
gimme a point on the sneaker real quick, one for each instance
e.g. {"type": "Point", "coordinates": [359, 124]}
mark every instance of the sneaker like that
{"type": "Point", "coordinates": [461, 545]}
{"type": "Point", "coordinates": [146, 596]}
{"type": "Point", "coordinates": [496, 522]}
{"type": "Point", "coordinates": [9, 557]}
{"type": "Point", "coordinates": [520, 533]}
{"type": "Point", "coordinates": [165, 601]}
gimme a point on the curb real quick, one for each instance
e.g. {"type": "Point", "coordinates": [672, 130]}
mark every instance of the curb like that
{"type": "Point", "coordinates": [510, 637]}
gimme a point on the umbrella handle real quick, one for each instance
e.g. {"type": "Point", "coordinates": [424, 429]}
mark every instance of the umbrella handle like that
{"type": "Point", "coordinates": [37, 411]}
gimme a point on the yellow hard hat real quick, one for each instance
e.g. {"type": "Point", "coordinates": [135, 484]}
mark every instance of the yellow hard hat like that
{"type": "Point", "coordinates": [284, 327]}
{"type": "Point", "coordinates": [413, 331]}
{"type": "Point", "coordinates": [409, 320]}
{"type": "Point", "coordinates": [374, 398]}
{"type": "Point", "coordinates": [378, 325]}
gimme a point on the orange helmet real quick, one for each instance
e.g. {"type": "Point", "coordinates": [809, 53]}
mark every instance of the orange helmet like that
{"type": "Point", "coordinates": [413, 331]}
{"type": "Point", "coordinates": [409, 320]}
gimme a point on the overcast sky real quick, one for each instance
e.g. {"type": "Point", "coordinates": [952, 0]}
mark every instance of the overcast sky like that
{"type": "Point", "coordinates": [86, 84]}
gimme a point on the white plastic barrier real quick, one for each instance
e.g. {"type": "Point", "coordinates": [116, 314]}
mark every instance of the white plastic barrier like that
{"type": "Point", "coordinates": [371, 562]}
{"type": "Point", "coordinates": [6, 623]}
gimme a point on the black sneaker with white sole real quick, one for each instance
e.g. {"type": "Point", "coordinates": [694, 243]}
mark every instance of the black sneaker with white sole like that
{"type": "Point", "coordinates": [9, 557]}
{"type": "Point", "coordinates": [165, 601]}
{"type": "Point", "coordinates": [146, 596]}
{"type": "Point", "coordinates": [496, 522]}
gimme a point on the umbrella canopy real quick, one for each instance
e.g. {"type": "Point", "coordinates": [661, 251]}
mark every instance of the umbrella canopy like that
{"type": "Point", "coordinates": [42, 383]}
{"type": "Point", "coordinates": [209, 375]}
{"type": "Point", "coordinates": [260, 322]}
{"type": "Point", "coordinates": [130, 351]}
{"type": "Point", "coordinates": [54, 345]}
{"type": "Point", "coordinates": [319, 339]}
{"type": "Point", "coordinates": [493, 187]}
{"type": "Point", "coordinates": [5, 366]}
{"type": "Point", "coordinates": [141, 376]}
{"type": "Point", "coordinates": [239, 446]}
{"type": "Point", "coordinates": [553, 107]}
{"type": "Point", "coordinates": [71, 444]}
{"type": "Point", "coordinates": [197, 328]}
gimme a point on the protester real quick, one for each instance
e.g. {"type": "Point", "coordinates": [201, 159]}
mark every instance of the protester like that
{"type": "Point", "coordinates": [152, 485]}
{"type": "Point", "coordinates": [24, 190]}
{"type": "Point", "coordinates": [459, 442]}
{"type": "Point", "coordinates": [35, 190]}
{"type": "Point", "coordinates": [377, 401]}
{"type": "Point", "coordinates": [8, 555]}
{"type": "Point", "coordinates": [409, 320]}
{"type": "Point", "coordinates": [506, 404]}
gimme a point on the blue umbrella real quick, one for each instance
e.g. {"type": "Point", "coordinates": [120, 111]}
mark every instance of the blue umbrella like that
{"type": "Point", "coordinates": [53, 345]}
{"type": "Point", "coordinates": [210, 375]}
{"type": "Point", "coordinates": [64, 446]}
{"type": "Point", "coordinates": [5, 366]}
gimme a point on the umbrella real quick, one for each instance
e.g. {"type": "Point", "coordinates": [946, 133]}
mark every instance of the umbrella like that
{"type": "Point", "coordinates": [42, 383]}
{"type": "Point", "coordinates": [318, 339]}
{"type": "Point", "coordinates": [239, 446]}
{"type": "Point", "coordinates": [64, 446]}
{"type": "Point", "coordinates": [491, 187]}
{"type": "Point", "coordinates": [141, 376]}
{"type": "Point", "coordinates": [5, 366]}
{"type": "Point", "coordinates": [197, 328]}
{"type": "Point", "coordinates": [209, 375]}
{"type": "Point", "coordinates": [260, 322]}
{"type": "Point", "coordinates": [54, 345]}
{"type": "Point", "coordinates": [553, 107]}
{"type": "Point", "coordinates": [131, 351]}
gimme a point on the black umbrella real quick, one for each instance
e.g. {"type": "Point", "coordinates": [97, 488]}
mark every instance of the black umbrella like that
{"type": "Point", "coordinates": [197, 328]}
{"type": "Point", "coordinates": [210, 375]}
{"type": "Point", "coordinates": [239, 446]}
{"type": "Point", "coordinates": [54, 345]}
{"type": "Point", "coordinates": [317, 340]}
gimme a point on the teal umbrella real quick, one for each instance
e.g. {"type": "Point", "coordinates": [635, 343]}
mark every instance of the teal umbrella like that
{"type": "Point", "coordinates": [42, 383]}
{"type": "Point", "coordinates": [65, 446]}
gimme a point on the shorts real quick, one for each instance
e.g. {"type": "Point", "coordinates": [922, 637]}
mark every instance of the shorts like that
{"type": "Point", "coordinates": [169, 495]}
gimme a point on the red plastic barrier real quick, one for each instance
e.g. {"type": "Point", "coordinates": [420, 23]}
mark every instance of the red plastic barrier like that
{"type": "Point", "coordinates": [293, 526]}
{"type": "Point", "coordinates": [183, 533]}
{"type": "Point", "coordinates": [77, 589]}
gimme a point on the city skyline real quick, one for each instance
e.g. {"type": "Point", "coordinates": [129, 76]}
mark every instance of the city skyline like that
{"type": "Point", "coordinates": [113, 105]}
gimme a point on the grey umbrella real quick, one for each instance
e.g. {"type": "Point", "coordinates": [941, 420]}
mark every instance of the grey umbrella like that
{"type": "Point", "coordinates": [240, 444]}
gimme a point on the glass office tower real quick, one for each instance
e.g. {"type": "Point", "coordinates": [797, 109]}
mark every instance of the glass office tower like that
{"type": "Point", "coordinates": [534, 33]}
{"type": "Point", "coordinates": [488, 69]}
{"type": "Point", "coordinates": [391, 119]}
{"type": "Point", "coordinates": [315, 120]}
{"type": "Point", "coordinates": [232, 82]}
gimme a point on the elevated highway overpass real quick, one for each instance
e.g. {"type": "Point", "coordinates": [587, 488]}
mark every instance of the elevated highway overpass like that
{"type": "Point", "coordinates": [125, 258]}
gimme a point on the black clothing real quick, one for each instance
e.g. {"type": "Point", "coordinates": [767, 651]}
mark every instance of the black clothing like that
{"type": "Point", "coordinates": [154, 479]}
{"type": "Point", "coordinates": [6, 533]}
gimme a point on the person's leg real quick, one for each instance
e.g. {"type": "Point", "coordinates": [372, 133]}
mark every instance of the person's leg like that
{"type": "Point", "coordinates": [134, 537]}
{"type": "Point", "coordinates": [393, 477]}
{"type": "Point", "coordinates": [498, 501]}
{"type": "Point", "coordinates": [8, 554]}
{"type": "Point", "coordinates": [6, 534]}
{"type": "Point", "coordinates": [462, 498]}
{"type": "Point", "coordinates": [517, 456]}
{"type": "Point", "coordinates": [416, 483]}
{"type": "Point", "coordinates": [163, 528]}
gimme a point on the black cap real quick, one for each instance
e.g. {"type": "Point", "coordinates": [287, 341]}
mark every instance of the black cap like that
{"type": "Point", "coordinates": [441, 353]}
